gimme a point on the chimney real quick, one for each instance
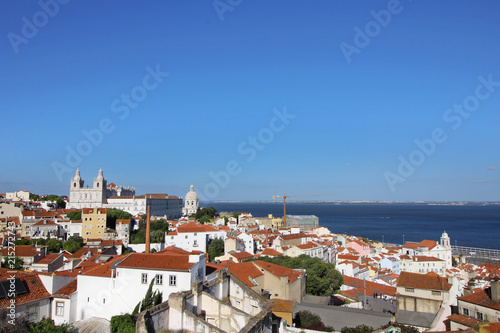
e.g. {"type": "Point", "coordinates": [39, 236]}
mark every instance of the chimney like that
{"type": "Point", "coordinates": [148, 229]}
{"type": "Point", "coordinates": [495, 290]}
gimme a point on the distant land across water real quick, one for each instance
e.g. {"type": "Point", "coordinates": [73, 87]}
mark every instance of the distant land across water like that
{"type": "Point", "coordinates": [471, 224]}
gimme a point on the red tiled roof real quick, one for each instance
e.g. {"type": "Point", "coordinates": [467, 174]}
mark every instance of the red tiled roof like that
{"type": "Point", "coordinates": [426, 258]}
{"type": "Point", "coordinates": [430, 244]}
{"type": "Point", "coordinates": [423, 281]}
{"type": "Point", "coordinates": [481, 297]}
{"type": "Point", "coordinates": [34, 286]}
{"type": "Point", "coordinates": [348, 257]}
{"type": "Point", "coordinates": [78, 254]}
{"type": "Point", "coordinates": [371, 287]}
{"type": "Point", "coordinates": [279, 271]}
{"type": "Point", "coordinates": [110, 242]}
{"type": "Point", "coordinates": [45, 222]}
{"type": "Point", "coordinates": [195, 227]}
{"type": "Point", "coordinates": [271, 252]}
{"type": "Point", "coordinates": [467, 321]}
{"type": "Point", "coordinates": [241, 255]}
{"type": "Point", "coordinates": [94, 210]}
{"type": "Point", "coordinates": [410, 245]}
{"type": "Point", "coordinates": [157, 261]}
{"type": "Point", "coordinates": [308, 245]}
{"type": "Point", "coordinates": [244, 271]}
{"type": "Point", "coordinates": [294, 236]}
{"type": "Point", "coordinates": [22, 251]}
{"type": "Point", "coordinates": [49, 258]}
{"type": "Point", "coordinates": [173, 250]}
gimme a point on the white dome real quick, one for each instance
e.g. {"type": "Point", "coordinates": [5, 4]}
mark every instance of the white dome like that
{"type": "Point", "coordinates": [191, 195]}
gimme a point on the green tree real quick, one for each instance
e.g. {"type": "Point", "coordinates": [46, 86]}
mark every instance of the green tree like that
{"type": "Point", "coordinates": [75, 216]}
{"type": "Point", "coordinates": [150, 299]}
{"type": "Point", "coordinates": [235, 215]}
{"type": "Point", "coordinates": [22, 241]}
{"type": "Point", "coordinates": [77, 239]}
{"type": "Point", "coordinates": [210, 211]}
{"type": "Point", "coordinates": [122, 324]}
{"type": "Point", "coordinates": [116, 214]}
{"type": "Point", "coordinates": [215, 248]}
{"type": "Point", "coordinates": [47, 325]}
{"type": "Point", "coordinates": [54, 245]}
{"type": "Point", "coordinates": [204, 219]}
{"type": "Point", "coordinates": [357, 329]}
{"type": "Point", "coordinates": [322, 278]}
{"type": "Point", "coordinates": [404, 328]}
{"type": "Point", "coordinates": [308, 320]}
{"type": "Point", "coordinates": [17, 264]}
{"type": "Point", "coordinates": [61, 203]}
{"type": "Point", "coordinates": [71, 246]}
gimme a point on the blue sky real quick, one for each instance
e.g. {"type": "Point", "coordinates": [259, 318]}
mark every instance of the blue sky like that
{"type": "Point", "coordinates": [261, 97]}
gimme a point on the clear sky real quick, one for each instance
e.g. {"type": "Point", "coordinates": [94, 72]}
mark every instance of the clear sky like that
{"type": "Point", "coordinates": [375, 100]}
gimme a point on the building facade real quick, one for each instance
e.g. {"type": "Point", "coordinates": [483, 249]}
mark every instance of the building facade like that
{"type": "Point", "coordinates": [111, 196]}
{"type": "Point", "coordinates": [191, 202]}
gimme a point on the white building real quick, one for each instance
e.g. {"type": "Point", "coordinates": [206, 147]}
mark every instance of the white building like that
{"type": "Point", "coordinates": [192, 236]}
{"type": "Point", "coordinates": [391, 263]}
{"type": "Point", "coordinates": [311, 249]}
{"type": "Point", "coordinates": [18, 196]}
{"type": "Point", "coordinates": [423, 265]}
{"type": "Point", "coordinates": [116, 287]}
{"type": "Point", "coordinates": [191, 202]}
{"type": "Point", "coordinates": [111, 196]}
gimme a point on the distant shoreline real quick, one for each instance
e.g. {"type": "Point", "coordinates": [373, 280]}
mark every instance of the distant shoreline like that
{"type": "Point", "coordinates": [424, 203]}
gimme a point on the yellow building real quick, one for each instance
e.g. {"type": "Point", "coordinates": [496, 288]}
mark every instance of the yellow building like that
{"type": "Point", "coordinates": [93, 223]}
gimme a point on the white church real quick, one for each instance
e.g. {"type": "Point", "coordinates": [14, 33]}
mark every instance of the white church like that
{"type": "Point", "coordinates": [102, 195]}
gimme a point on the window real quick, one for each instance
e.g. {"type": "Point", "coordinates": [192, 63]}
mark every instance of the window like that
{"type": "Point", "coordinates": [409, 290]}
{"type": "Point", "coordinates": [195, 243]}
{"type": "Point", "coordinates": [159, 279]}
{"type": "Point", "coordinates": [173, 280]}
{"type": "Point", "coordinates": [59, 308]}
{"type": "Point", "coordinates": [186, 237]}
{"type": "Point", "coordinates": [466, 312]}
{"type": "Point", "coordinates": [436, 293]}
{"type": "Point", "coordinates": [479, 315]}
{"type": "Point", "coordinates": [144, 278]}
{"type": "Point", "coordinates": [33, 313]}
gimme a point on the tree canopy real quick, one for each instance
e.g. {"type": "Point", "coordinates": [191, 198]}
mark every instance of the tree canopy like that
{"type": "Point", "coordinates": [158, 230]}
{"type": "Point", "coordinates": [205, 214]}
{"type": "Point", "coordinates": [322, 278]}
{"type": "Point", "coordinates": [116, 214]}
{"type": "Point", "coordinates": [308, 320]}
{"type": "Point", "coordinates": [75, 216]}
{"type": "Point", "coordinates": [122, 324]}
{"type": "Point", "coordinates": [215, 248]}
{"type": "Point", "coordinates": [54, 245]}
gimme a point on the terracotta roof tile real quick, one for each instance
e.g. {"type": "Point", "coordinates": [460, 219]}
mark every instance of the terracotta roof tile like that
{"type": "Point", "coordinates": [195, 227]}
{"type": "Point", "coordinates": [244, 271]}
{"type": "Point", "coordinates": [157, 261]}
{"type": "Point", "coordinates": [280, 271]}
{"type": "Point", "coordinates": [49, 258]}
{"type": "Point", "coordinates": [271, 252]}
{"type": "Point", "coordinates": [34, 286]}
{"type": "Point", "coordinates": [22, 251]}
{"type": "Point", "coordinates": [467, 321]}
{"type": "Point", "coordinates": [481, 297]}
{"type": "Point", "coordinates": [423, 281]}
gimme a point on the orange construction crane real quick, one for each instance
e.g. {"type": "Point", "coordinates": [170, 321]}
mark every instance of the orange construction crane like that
{"type": "Point", "coordinates": [284, 196]}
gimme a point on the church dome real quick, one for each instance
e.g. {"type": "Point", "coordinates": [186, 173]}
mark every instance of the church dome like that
{"type": "Point", "coordinates": [191, 195]}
